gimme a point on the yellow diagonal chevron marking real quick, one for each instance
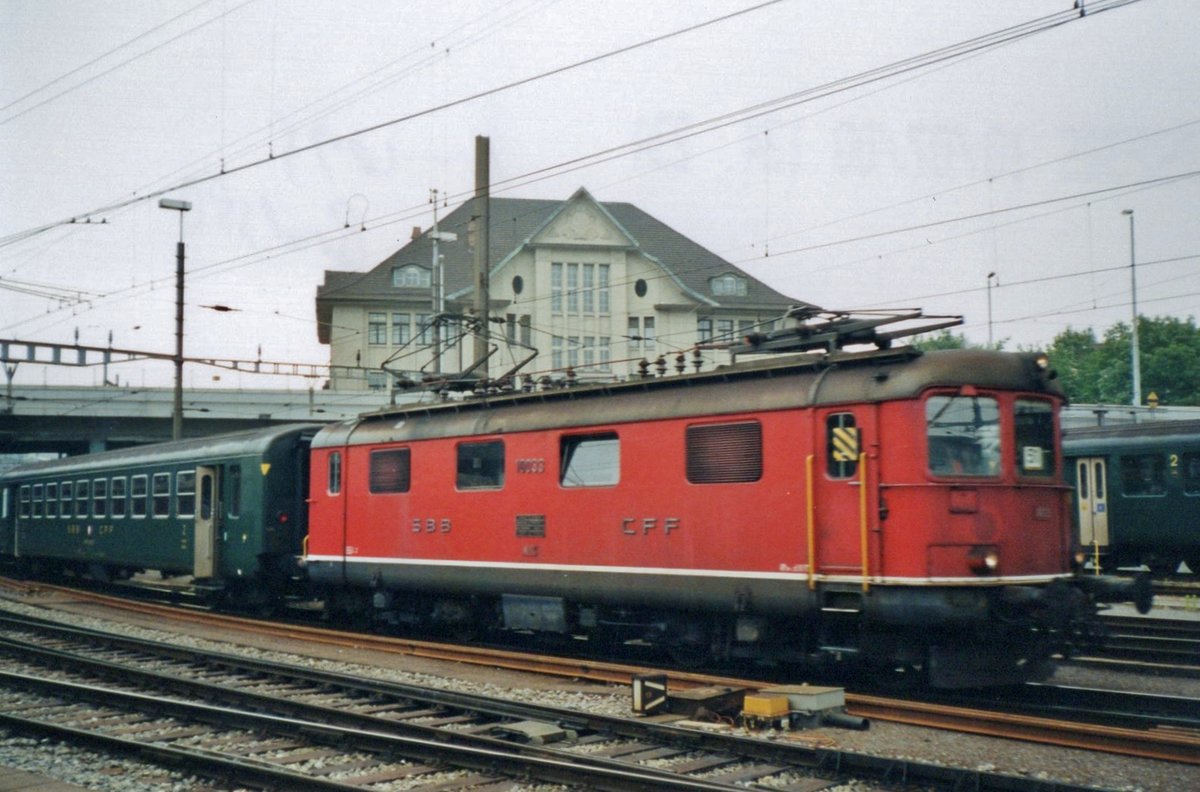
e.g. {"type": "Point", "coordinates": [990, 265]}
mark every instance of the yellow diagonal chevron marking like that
{"type": "Point", "coordinates": [845, 444]}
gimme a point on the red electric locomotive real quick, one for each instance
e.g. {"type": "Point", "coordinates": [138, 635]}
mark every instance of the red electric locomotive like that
{"type": "Point", "coordinates": [902, 510]}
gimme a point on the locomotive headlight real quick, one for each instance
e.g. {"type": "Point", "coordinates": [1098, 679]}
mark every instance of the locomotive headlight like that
{"type": "Point", "coordinates": [983, 559]}
{"type": "Point", "coordinates": [1042, 361]}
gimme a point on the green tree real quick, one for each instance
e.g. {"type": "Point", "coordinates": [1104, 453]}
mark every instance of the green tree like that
{"type": "Point", "coordinates": [1100, 371]}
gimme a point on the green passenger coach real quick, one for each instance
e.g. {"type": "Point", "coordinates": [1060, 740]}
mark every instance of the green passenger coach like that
{"type": "Point", "coordinates": [223, 509]}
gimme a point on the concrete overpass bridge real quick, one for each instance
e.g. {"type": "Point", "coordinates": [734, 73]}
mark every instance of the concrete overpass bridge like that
{"type": "Point", "coordinates": [76, 420]}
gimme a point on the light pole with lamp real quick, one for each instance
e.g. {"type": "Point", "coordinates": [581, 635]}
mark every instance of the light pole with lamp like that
{"type": "Point", "coordinates": [177, 410]}
{"type": "Point", "coordinates": [989, 298]}
{"type": "Point", "coordinates": [1137, 363]}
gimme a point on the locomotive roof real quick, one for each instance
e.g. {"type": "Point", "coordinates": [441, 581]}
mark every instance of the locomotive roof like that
{"type": "Point", "coordinates": [233, 444]}
{"type": "Point", "coordinates": [772, 384]}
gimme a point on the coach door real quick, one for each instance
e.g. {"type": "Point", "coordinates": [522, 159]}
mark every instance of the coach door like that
{"type": "Point", "coordinates": [1092, 498]}
{"type": "Point", "coordinates": [208, 510]}
{"type": "Point", "coordinates": [842, 519]}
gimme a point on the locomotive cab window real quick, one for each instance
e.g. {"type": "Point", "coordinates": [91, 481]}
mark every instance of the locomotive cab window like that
{"type": "Point", "coordinates": [589, 460]}
{"type": "Point", "coordinates": [1035, 437]}
{"type": "Point", "coordinates": [724, 453]}
{"type": "Point", "coordinates": [334, 485]}
{"type": "Point", "coordinates": [480, 465]}
{"type": "Point", "coordinates": [391, 470]}
{"type": "Point", "coordinates": [842, 445]}
{"type": "Point", "coordinates": [963, 434]}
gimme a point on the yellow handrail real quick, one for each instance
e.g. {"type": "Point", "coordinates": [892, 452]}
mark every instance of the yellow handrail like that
{"type": "Point", "coordinates": [862, 518]}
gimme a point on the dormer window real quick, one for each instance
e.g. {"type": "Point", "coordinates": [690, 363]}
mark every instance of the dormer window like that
{"type": "Point", "coordinates": [410, 276]}
{"type": "Point", "coordinates": [728, 285]}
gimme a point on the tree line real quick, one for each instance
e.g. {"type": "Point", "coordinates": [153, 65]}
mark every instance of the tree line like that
{"type": "Point", "coordinates": [1099, 370]}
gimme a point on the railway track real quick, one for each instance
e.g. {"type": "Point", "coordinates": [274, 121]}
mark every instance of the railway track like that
{"type": "Point", "coordinates": [295, 728]}
{"type": "Point", "coordinates": [1141, 739]}
{"type": "Point", "coordinates": [1168, 645]}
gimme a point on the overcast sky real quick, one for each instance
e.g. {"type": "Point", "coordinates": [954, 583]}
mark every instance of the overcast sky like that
{"type": "Point", "coordinates": [851, 154]}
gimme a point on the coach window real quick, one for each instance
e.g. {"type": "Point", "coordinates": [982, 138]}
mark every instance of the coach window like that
{"type": "Point", "coordinates": [67, 493]}
{"type": "Point", "coordinates": [1144, 475]}
{"type": "Point", "coordinates": [233, 489]}
{"type": "Point", "coordinates": [52, 500]}
{"type": "Point", "coordinates": [118, 497]}
{"type": "Point", "coordinates": [1190, 470]}
{"type": "Point", "coordinates": [23, 502]}
{"type": "Point", "coordinates": [724, 453]}
{"type": "Point", "coordinates": [99, 497]}
{"type": "Point", "coordinates": [842, 445]}
{"type": "Point", "coordinates": [139, 492]}
{"type": "Point", "coordinates": [1035, 437]}
{"type": "Point", "coordinates": [963, 435]}
{"type": "Point", "coordinates": [391, 470]}
{"type": "Point", "coordinates": [185, 493]}
{"type": "Point", "coordinates": [82, 493]}
{"type": "Point", "coordinates": [480, 465]}
{"type": "Point", "coordinates": [589, 460]}
{"type": "Point", "coordinates": [161, 494]}
{"type": "Point", "coordinates": [39, 491]}
{"type": "Point", "coordinates": [335, 473]}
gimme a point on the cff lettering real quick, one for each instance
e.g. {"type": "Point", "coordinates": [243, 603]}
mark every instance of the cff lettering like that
{"type": "Point", "coordinates": [644, 526]}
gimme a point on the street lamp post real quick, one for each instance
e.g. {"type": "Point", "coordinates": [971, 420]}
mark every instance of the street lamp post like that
{"type": "Point", "coordinates": [177, 409]}
{"type": "Point", "coordinates": [1137, 363]}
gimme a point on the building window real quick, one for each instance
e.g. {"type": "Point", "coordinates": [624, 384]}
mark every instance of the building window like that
{"type": "Point", "coordinates": [648, 334]}
{"type": "Point", "coordinates": [424, 329]}
{"type": "Point", "coordinates": [410, 276]}
{"type": "Point", "coordinates": [161, 494]}
{"type": "Point", "coordinates": [480, 465]}
{"type": "Point", "coordinates": [605, 353]}
{"type": "Point", "coordinates": [556, 287]}
{"type": "Point", "coordinates": [635, 333]}
{"type": "Point", "coordinates": [376, 380]}
{"type": "Point", "coordinates": [724, 329]}
{"type": "Point", "coordinates": [401, 329]}
{"type": "Point", "coordinates": [602, 288]}
{"type": "Point", "coordinates": [589, 295]}
{"type": "Point", "coordinates": [376, 328]}
{"type": "Point", "coordinates": [589, 351]}
{"type": "Point", "coordinates": [589, 460]}
{"type": "Point", "coordinates": [573, 351]}
{"type": "Point", "coordinates": [391, 470]}
{"type": "Point", "coordinates": [572, 288]}
{"type": "Point", "coordinates": [556, 356]}
{"type": "Point", "coordinates": [724, 453]}
{"type": "Point", "coordinates": [704, 329]}
{"type": "Point", "coordinates": [728, 286]}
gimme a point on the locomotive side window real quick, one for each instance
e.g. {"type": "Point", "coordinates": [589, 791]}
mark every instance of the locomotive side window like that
{"type": "Point", "coordinates": [841, 445]}
{"type": "Point", "coordinates": [23, 502]}
{"type": "Point", "coordinates": [724, 453]}
{"type": "Point", "coordinates": [335, 473]}
{"type": "Point", "coordinates": [100, 497]}
{"type": "Point", "coordinates": [38, 494]}
{"type": "Point", "coordinates": [1035, 437]}
{"type": "Point", "coordinates": [1190, 465]}
{"type": "Point", "coordinates": [185, 493]}
{"type": "Point", "coordinates": [480, 465]}
{"type": "Point", "coordinates": [118, 497]}
{"type": "Point", "coordinates": [589, 460]}
{"type": "Point", "coordinates": [391, 470]}
{"type": "Point", "coordinates": [138, 492]}
{"type": "Point", "coordinates": [964, 435]}
{"type": "Point", "coordinates": [67, 492]}
{"type": "Point", "coordinates": [1143, 474]}
{"type": "Point", "coordinates": [161, 494]}
{"type": "Point", "coordinates": [52, 500]}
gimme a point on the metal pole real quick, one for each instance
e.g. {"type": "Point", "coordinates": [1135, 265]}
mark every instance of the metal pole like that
{"type": "Point", "coordinates": [177, 411]}
{"type": "Point", "coordinates": [989, 298]}
{"type": "Point", "coordinates": [1136, 352]}
{"type": "Point", "coordinates": [482, 264]}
